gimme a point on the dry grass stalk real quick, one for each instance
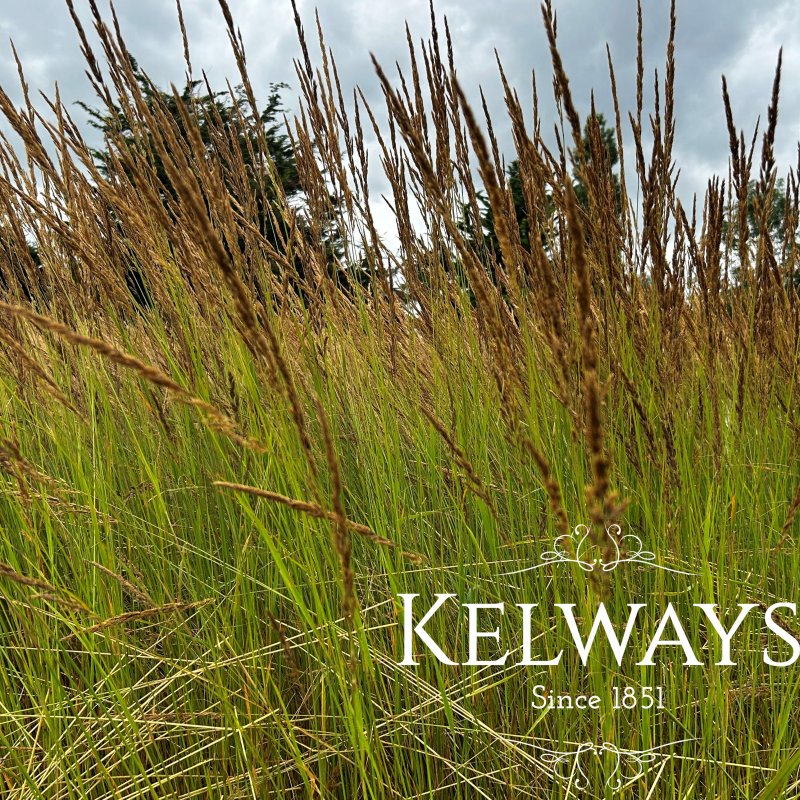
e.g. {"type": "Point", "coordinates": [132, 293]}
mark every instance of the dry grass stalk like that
{"type": "Point", "coordinates": [317, 512]}
{"type": "Point", "coordinates": [550, 484]}
{"type": "Point", "coordinates": [31, 364]}
{"type": "Point", "coordinates": [46, 590]}
{"type": "Point", "coordinates": [341, 538]}
{"type": "Point", "coordinates": [473, 479]}
{"type": "Point", "coordinates": [59, 504]}
{"type": "Point", "coordinates": [137, 616]}
{"type": "Point", "coordinates": [8, 572]}
{"type": "Point", "coordinates": [791, 516]}
{"type": "Point", "coordinates": [216, 419]}
{"type": "Point", "coordinates": [133, 590]}
{"type": "Point", "coordinates": [603, 505]}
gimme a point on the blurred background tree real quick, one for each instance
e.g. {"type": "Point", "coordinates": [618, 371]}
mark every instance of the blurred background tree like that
{"type": "Point", "coordinates": [273, 178]}
{"type": "Point", "coordinates": [781, 228]}
{"type": "Point", "coordinates": [608, 148]}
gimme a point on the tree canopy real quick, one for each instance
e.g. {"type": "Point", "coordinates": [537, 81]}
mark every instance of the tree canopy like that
{"type": "Point", "coordinates": [608, 144]}
{"type": "Point", "coordinates": [267, 159]}
{"type": "Point", "coordinates": [214, 113]}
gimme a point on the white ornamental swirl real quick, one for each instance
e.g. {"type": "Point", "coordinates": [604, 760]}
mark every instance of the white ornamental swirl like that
{"type": "Point", "coordinates": [570, 767]}
{"type": "Point", "coordinates": [625, 548]}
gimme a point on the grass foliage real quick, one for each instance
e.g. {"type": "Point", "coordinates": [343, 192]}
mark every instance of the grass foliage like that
{"type": "Point", "coordinates": [209, 505]}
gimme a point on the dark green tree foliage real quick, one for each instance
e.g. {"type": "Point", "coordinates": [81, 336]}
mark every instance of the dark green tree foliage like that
{"type": "Point", "coordinates": [520, 212]}
{"type": "Point", "coordinates": [212, 110]}
{"type": "Point", "coordinates": [608, 145]}
{"type": "Point", "coordinates": [20, 271]}
{"type": "Point", "coordinates": [784, 241]}
{"type": "Point", "coordinates": [219, 113]}
{"type": "Point", "coordinates": [608, 140]}
{"type": "Point", "coordinates": [776, 219]}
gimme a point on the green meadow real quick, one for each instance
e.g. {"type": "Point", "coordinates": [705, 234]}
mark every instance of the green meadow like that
{"type": "Point", "coordinates": [236, 424]}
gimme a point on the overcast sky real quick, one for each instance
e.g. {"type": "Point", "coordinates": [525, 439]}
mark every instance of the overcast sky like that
{"type": "Point", "coordinates": [738, 38]}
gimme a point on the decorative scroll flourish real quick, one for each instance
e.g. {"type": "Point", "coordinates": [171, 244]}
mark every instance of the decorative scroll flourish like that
{"type": "Point", "coordinates": [573, 768]}
{"type": "Point", "coordinates": [573, 548]}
